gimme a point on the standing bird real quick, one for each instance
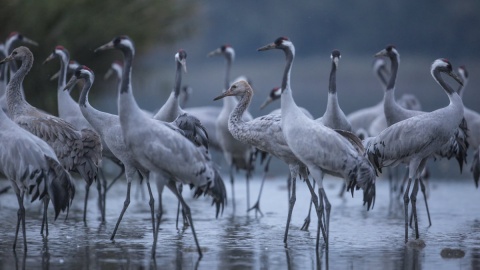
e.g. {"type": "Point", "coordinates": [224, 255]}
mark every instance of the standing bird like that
{"type": "Point", "coordinates": [237, 154]}
{"type": "Point", "coordinates": [109, 128]}
{"type": "Point", "coordinates": [415, 139]}
{"type": "Point", "coordinates": [473, 122]}
{"type": "Point", "coordinates": [264, 133]}
{"type": "Point", "coordinates": [171, 110]}
{"type": "Point", "coordinates": [9, 68]}
{"type": "Point", "coordinates": [334, 117]}
{"type": "Point", "coordinates": [395, 113]}
{"type": "Point", "coordinates": [160, 146]}
{"type": "Point", "coordinates": [32, 167]}
{"type": "Point", "coordinates": [363, 118]}
{"type": "Point", "coordinates": [313, 143]}
{"type": "Point", "coordinates": [69, 111]}
{"type": "Point", "coordinates": [74, 149]}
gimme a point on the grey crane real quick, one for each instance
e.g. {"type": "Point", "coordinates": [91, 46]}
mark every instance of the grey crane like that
{"type": "Point", "coordinates": [69, 110]}
{"type": "Point", "coordinates": [74, 149]}
{"type": "Point", "coordinates": [473, 122]}
{"type": "Point", "coordinates": [10, 68]}
{"type": "Point", "coordinates": [237, 154]}
{"type": "Point", "coordinates": [394, 113]}
{"type": "Point", "coordinates": [334, 117]}
{"type": "Point", "coordinates": [264, 133]}
{"type": "Point", "coordinates": [161, 147]}
{"type": "Point", "coordinates": [170, 111]}
{"type": "Point", "coordinates": [32, 167]}
{"type": "Point", "coordinates": [363, 118]}
{"type": "Point", "coordinates": [109, 128]}
{"type": "Point", "coordinates": [318, 142]}
{"type": "Point", "coordinates": [418, 138]}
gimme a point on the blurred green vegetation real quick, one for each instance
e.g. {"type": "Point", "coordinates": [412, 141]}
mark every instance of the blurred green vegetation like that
{"type": "Point", "coordinates": [81, 26]}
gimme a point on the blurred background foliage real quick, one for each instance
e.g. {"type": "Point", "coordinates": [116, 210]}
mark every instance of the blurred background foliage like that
{"type": "Point", "coordinates": [420, 29]}
{"type": "Point", "coordinates": [81, 26]}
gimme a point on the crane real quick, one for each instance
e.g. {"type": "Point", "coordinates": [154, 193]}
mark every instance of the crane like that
{"type": "Point", "coordinates": [32, 167]}
{"type": "Point", "coordinates": [237, 155]}
{"type": "Point", "coordinates": [312, 143]}
{"type": "Point", "coordinates": [418, 138]}
{"type": "Point", "coordinates": [74, 149]}
{"type": "Point", "coordinates": [161, 147]}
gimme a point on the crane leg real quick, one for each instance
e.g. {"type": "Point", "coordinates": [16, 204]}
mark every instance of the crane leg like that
{"type": "Point", "coordinates": [413, 198]}
{"type": "Point", "coordinates": [232, 181]}
{"type": "Point", "coordinates": [20, 218]}
{"type": "Point", "coordinates": [306, 223]}
{"type": "Point", "coordinates": [293, 198]}
{"type": "Point", "coordinates": [46, 200]}
{"type": "Point", "coordinates": [406, 200]}
{"type": "Point", "coordinates": [87, 191]}
{"type": "Point", "coordinates": [256, 206]}
{"type": "Point", "coordinates": [126, 203]}
{"type": "Point", "coordinates": [328, 208]}
{"type": "Point", "coordinates": [171, 185]}
{"type": "Point", "coordinates": [422, 186]}
{"type": "Point", "coordinates": [151, 202]}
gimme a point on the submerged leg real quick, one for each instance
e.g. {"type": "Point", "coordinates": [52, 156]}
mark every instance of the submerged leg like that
{"type": "Point", "coordinates": [406, 200]}
{"type": "Point", "coordinates": [46, 200]}
{"type": "Point", "coordinates": [290, 208]}
{"type": "Point", "coordinates": [232, 181]}
{"type": "Point", "coordinates": [306, 223]}
{"type": "Point", "coordinates": [186, 208]}
{"type": "Point", "coordinates": [151, 202]}
{"type": "Point", "coordinates": [422, 186]}
{"type": "Point", "coordinates": [413, 198]}
{"type": "Point", "coordinates": [20, 218]}
{"type": "Point", "coordinates": [126, 203]}
{"type": "Point", "coordinates": [256, 206]}
{"type": "Point", "coordinates": [87, 191]}
{"type": "Point", "coordinates": [328, 208]}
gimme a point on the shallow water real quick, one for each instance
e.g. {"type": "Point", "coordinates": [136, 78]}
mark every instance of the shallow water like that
{"type": "Point", "coordinates": [358, 239]}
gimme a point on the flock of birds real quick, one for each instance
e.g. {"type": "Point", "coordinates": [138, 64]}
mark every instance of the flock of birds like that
{"type": "Point", "coordinates": [172, 146]}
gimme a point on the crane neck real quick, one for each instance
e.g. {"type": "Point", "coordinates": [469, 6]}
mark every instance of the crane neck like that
{"type": "Point", "coordinates": [289, 55]}
{"type": "Point", "coordinates": [125, 84]}
{"type": "Point", "coordinates": [83, 100]}
{"type": "Point", "coordinates": [394, 70]}
{"type": "Point", "coordinates": [228, 67]}
{"type": "Point", "coordinates": [332, 86]}
{"type": "Point", "coordinates": [461, 88]}
{"type": "Point", "coordinates": [14, 88]}
{"type": "Point", "coordinates": [382, 76]}
{"type": "Point", "coordinates": [62, 78]}
{"type": "Point", "coordinates": [242, 106]}
{"type": "Point", "coordinates": [178, 80]}
{"type": "Point", "coordinates": [436, 75]}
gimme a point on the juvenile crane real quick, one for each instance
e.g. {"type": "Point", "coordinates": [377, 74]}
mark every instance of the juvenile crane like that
{"type": "Point", "coordinates": [75, 151]}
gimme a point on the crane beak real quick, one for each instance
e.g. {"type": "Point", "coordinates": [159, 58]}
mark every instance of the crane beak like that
{"type": "Point", "coordinates": [108, 74]}
{"type": "Point", "coordinates": [335, 60]}
{"type": "Point", "coordinates": [49, 58]}
{"type": "Point", "coordinates": [381, 53]}
{"type": "Point", "coordinates": [107, 46]}
{"type": "Point", "coordinates": [183, 62]}
{"type": "Point", "coordinates": [266, 102]}
{"type": "Point", "coordinates": [54, 76]}
{"type": "Point", "coordinates": [29, 41]}
{"type": "Point", "coordinates": [225, 94]}
{"type": "Point", "coordinates": [267, 47]}
{"type": "Point", "coordinates": [70, 83]}
{"type": "Point", "coordinates": [215, 52]}
{"type": "Point", "coordinates": [456, 77]}
{"type": "Point", "coordinates": [7, 59]}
